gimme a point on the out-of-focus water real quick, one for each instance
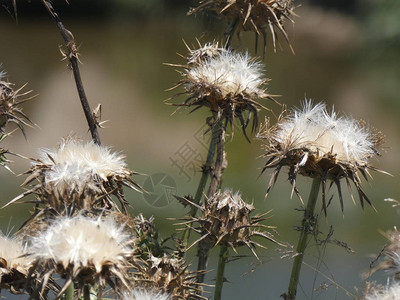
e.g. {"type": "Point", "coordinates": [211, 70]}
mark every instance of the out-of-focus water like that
{"type": "Point", "coordinates": [122, 68]}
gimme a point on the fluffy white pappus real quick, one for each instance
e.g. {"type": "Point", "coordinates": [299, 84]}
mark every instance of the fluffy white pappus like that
{"type": "Point", "coordinates": [390, 292]}
{"type": "Point", "coordinates": [13, 252]}
{"type": "Point", "coordinates": [231, 73]}
{"type": "Point", "coordinates": [314, 128]}
{"type": "Point", "coordinates": [76, 163]}
{"type": "Point", "coordinates": [141, 294]}
{"type": "Point", "coordinates": [83, 242]}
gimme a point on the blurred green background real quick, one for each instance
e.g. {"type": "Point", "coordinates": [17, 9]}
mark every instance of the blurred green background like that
{"type": "Point", "coordinates": [346, 54]}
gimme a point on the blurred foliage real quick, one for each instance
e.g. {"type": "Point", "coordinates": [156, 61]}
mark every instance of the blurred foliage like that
{"type": "Point", "coordinates": [381, 46]}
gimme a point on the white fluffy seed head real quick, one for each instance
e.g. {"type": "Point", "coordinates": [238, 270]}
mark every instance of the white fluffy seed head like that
{"type": "Point", "coordinates": [390, 292]}
{"type": "Point", "coordinates": [230, 73]}
{"type": "Point", "coordinates": [13, 252]}
{"type": "Point", "coordinates": [83, 242]}
{"type": "Point", "coordinates": [76, 164]}
{"type": "Point", "coordinates": [321, 132]}
{"type": "Point", "coordinates": [141, 294]}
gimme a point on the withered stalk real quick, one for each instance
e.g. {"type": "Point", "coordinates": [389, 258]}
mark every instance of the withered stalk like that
{"type": "Point", "coordinates": [307, 226]}
{"type": "Point", "coordinates": [204, 245]}
{"type": "Point", "coordinates": [72, 56]}
{"type": "Point", "coordinates": [205, 173]}
{"type": "Point", "coordinates": [223, 256]}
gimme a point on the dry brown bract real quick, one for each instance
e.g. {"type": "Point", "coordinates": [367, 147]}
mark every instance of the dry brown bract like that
{"type": "Point", "coordinates": [169, 275]}
{"type": "Point", "coordinates": [315, 143]}
{"type": "Point", "coordinates": [84, 175]}
{"type": "Point", "coordinates": [227, 83]}
{"type": "Point", "coordinates": [253, 15]}
{"type": "Point", "coordinates": [10, 109]}
{"type": "Point", "coordinates": [225, 220]}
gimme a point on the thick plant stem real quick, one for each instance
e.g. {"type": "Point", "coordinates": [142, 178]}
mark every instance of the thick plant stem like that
{"type": "Point", "coordinates": [72, 56]}
{"type": "Point", "coordinates": [86, 292]}
{"type": "Point", "coordinates": [205, 173]}
{"type": "Point", "coordinates": [204, 245]}
{"type": "Point", "coordinates": [223, 256]}
{"type": "Point", "coordinates": [69, 292]}
{"type": "Point", "coordinates": [307, 227]}
{"type": "Point", "coordinates": [230, 32]}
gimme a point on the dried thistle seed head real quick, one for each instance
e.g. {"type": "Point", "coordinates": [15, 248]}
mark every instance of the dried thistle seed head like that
{"type": "Point", "coordinates": [84, 249]}
{"type": "Point", "coordinates": [81, 174]}
{"type": "Point", "coordinates": [142, 294]}
{"type": "Point", "coordinates": [10, 108]}
{"type": "Point", "coordinates": [226, 82]}
{"type": "Point", "coordinates": [315, 143]}
{"type": "Point", "coordinates": [168, 275]}
{"type": "Point", "coordinates": [259, 16]}
{"type": "Point", "coordinates": [226, 220]}
{"type": "Point", "coordinates": [14, 264]}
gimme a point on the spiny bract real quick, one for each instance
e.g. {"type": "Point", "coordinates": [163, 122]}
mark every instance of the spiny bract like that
{"type": "Point", "coordinates": [10, 109]}
{"type": "Point", "coordinates": [226, 220]}
{"type": "Point", "coordinates": [167, 275]}
{"type": "Point", "coordinates": [315, 143]}
{"type": "Point", "coordinates": [253, 15]}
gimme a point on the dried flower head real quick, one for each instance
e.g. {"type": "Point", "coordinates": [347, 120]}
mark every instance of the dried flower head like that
{"type": "Point", "coordinates": [259, 16]}
{"type": "Point", "coordinates": [315, 143]}
{"type": "Point", "coordinates": [226, 82]}
{"type": "Point", "coordinates": [10, 109]}
{"type": "Point", "coordinates": [226, 220]}
{"type": "Point", "coordinates": [141, 294]}
{"type": "Point", "coordinates": [168, 275]}
{"type": "Point", "coordinates": [82, 249]}
{"type": "Point", "coordinates": [14, 264]}
{"type": "Point", "coordinates": [389, 292]}
{"type": "Point", "coordinates": [81, 174]}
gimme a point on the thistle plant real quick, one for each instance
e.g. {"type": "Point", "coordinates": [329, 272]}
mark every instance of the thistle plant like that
{"type": "Point", "coordinates": [229, 85]}
{"type": "Point", "coordinates": [317, 144]}
{"type": "Point", "coordinates": [83, 250]}
{"type": "Point", "coordinates": [81, 174]}
{"type": "Point", "coordinates": [259, 16]}
{"type": "Point", "coordinates": [85, 238]}
{"type": "Point", "coordinates": [226, 220]}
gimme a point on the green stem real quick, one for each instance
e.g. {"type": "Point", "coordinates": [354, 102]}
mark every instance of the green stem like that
{"type": "Point", "coordinates": [306, 227]}
{"type": "Point", "coordinates": [223, 256]}
{"type": "Point", "coordinates": [69, 292]}
{"type": "Point", "coordinates": [204, 246]}
{"type": "Point", "coordinates": [206, 171]}
{"type": "Point", "coordinates": [86, 292]}
{"type": "Point", "coordinates": [230, 32]}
